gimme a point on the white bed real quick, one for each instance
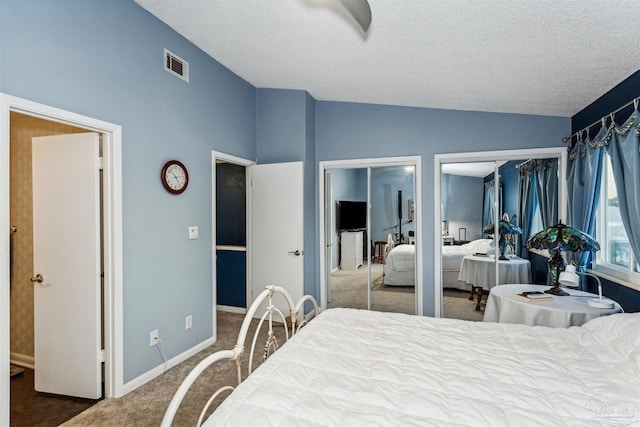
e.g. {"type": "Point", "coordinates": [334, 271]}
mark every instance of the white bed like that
{"type": "Point", "coordinates": [400, 263]}
{"type": "Point", "coordinates": [452, 260]}
{"type": "Point", "coordinates": [363, 368]}
{"type": "Point", "coordinates": [400, 266]}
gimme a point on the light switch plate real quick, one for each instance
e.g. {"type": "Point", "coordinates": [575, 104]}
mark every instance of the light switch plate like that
{"type": "Point", "coordinates": [193, 232]}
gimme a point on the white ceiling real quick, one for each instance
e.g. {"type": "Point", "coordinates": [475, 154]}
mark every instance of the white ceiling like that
{"type": "Point", "coordinates": [474, 169]}
{"type": "Point", "coordinates": [547, 57]}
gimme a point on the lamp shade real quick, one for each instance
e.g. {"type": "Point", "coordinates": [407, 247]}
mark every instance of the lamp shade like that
{"type": "Point", "coordinates": [561, 237]}
{"type": "Point", "coordinates": [504, 227]}
{"type": "Point", "coordinates": [569, 277]}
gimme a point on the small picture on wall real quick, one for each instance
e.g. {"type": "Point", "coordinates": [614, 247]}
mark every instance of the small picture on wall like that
{"type": "Point", "coordinates": [410, 211]}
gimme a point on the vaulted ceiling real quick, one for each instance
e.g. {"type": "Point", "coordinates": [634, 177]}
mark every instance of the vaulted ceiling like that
{"type": "Point", "coordinates": [546, 57]}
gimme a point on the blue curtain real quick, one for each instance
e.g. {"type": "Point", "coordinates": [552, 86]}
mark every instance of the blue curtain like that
{"type": "Point", "coordinates": [527, 202]}
{"type": "Point", "coordinates": [546, 171]}
{"type": "Point", "coordinates": [489, 197]}
{"type": "Point", "coordinates": [583, 185]}
{"type": "Point", "coordinates": [624, 152]}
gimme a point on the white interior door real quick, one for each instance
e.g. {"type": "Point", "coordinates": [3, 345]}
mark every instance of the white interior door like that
{"type": "Point", "coordinates": [66, 253]}
{"type": "Point", "coordinates": [277, 227]}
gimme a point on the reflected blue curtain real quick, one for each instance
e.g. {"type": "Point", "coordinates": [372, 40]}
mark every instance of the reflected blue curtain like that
{"type": "Point", "coordinates": [489, 198]}
{"type": "Point", "coordinates": [487, 212]}
{"type": "Point", "coordinates": [583, 186]}
{"type": "Point", "coordinates": [527, 202]}
{"type": "Point", "coordinates": [623, 150]}
{"type": "Point", "coordinates": [546, 171]}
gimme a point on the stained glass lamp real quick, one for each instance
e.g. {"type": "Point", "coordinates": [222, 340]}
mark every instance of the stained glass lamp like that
{"type": "Point", "coordinates": [558, 238]}
{"type": "Point", "coordinates": [504, 228]}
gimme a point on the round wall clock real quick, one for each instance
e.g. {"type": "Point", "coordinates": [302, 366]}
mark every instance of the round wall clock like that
{"type": "Point", "coordinates": [175, 177]}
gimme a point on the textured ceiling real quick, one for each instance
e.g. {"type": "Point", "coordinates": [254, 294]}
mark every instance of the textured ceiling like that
{"type": "Point", "coordinates": [474, 169]}
{"type": "Point", "coordinates": [548, 57]}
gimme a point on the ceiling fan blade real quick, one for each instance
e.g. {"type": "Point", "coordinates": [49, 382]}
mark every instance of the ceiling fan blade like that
{"type": "Point", "coordinates": [360, 11]}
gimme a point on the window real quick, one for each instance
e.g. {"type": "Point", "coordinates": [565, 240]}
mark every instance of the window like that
{"type": "Point", "coordinates": [615, 257]}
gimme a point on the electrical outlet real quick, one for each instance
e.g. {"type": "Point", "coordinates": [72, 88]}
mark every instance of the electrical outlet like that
{"type": "Point", "coordinates": [153, 338]}
{"type": "Point", "coordinates": [188, 322]}
{"type": "Point", "coordinates": [193, 232]}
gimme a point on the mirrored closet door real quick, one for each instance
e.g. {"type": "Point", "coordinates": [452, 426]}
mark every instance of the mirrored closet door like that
{"type": "Point", "coordinates": [486, 222]}
{"type": "Point", "coordinates": [369, 235]}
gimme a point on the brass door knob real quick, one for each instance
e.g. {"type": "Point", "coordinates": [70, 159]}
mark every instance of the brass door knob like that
{"type": "Point", "coordinates": [37, 278]}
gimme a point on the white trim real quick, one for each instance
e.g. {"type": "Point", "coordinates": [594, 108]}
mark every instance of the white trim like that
{"type": "Point", "coordinates": [231, 248]}
{"type": "Point", "coordinates": [113, 260]}
{"type": "Point", "coordinates": [415, 161]}
{"type": "Point", "coordinates": [612, 278]}
{"type": "Point", "coordinates": [534, 153]}
{"type": "Point", "coordinates": [231, 309]}
{"type": "Point", "coordinates": [160, 369]}
{"type": "Point", "coordinates": [216, 155]}
{"type": "Point", "coordinates": [22, 360]}
{"type": "Point", "coordinates": [625, 276]}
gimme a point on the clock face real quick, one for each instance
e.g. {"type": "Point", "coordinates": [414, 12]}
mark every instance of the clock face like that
{"type": "Point", "coordinates": [175, 177]}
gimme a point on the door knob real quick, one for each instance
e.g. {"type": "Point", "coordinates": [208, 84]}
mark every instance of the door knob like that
{"type": "Point", "coordinates": [37, 278]}
{"type": "Point", "coordinates": [297, 252]}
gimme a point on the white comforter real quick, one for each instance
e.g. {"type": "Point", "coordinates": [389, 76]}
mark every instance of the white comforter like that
{"type": "Point", "coordinates": [400, 258]}
{"type": "Point", "coordinates": [452, 255]}
{"type": "Point", "coordinates": [358, 368]}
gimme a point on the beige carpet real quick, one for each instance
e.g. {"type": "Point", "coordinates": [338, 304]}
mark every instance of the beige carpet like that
{"type": "Point", "coordinates": [349, 289]}
{"type": "Point", "coordinates": [146, 405]}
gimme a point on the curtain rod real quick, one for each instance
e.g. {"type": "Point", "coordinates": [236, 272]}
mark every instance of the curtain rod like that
{"type": "Point", "coordinates": [523, 163]}
{"type": "Point", "coordinates": [570, 137]}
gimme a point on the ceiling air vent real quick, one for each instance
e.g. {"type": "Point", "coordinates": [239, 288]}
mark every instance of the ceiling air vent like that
{"type": "Point", "coordinates": [176, 65]}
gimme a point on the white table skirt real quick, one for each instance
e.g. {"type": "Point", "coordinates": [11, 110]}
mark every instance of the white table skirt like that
{"type": "Point", "coordinates": [480, 271]}
{"type": "Point", "coordinates": [503, 306]}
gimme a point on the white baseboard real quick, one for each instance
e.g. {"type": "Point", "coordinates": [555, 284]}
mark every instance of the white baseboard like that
{"type": "Point", "coordinates": [231, 309]}
{"type": "Point", "coordinates": [22, 360]}
{"type": "Point", "coordinates": [158, 370]}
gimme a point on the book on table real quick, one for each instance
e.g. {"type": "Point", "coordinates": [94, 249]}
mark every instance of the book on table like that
{"type": "Point", "coordinates": [535, 296]}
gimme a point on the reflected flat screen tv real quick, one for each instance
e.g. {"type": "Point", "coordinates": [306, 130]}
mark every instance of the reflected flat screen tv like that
{"type": "Point", "coordinates": [351, 215]}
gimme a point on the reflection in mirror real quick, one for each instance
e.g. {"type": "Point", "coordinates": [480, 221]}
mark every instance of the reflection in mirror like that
{"type": "Point", "coordinates": [393, 274]}
{"type": "Point", "coordinates": [345, 230]}
{"type": "Point", "coordinates": [527, 196]}
{"type": "Point", "coordinates": [387, 282]}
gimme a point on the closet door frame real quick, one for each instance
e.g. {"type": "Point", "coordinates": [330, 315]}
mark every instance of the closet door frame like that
{"type": "Point", "coordinates": [559, 153]}
{"type": "Point", "coordinates": [416, 162]}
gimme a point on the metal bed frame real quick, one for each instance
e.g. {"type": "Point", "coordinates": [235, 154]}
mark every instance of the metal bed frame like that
{"type": "Point", "coordinates": [236, 354]}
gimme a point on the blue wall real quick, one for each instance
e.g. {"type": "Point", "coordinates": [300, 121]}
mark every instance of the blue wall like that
{"type": "Point", "coordinates": [104, 59]}
{"type": "Point", "coordinates": [510, 185]}
{"type": "Point", "coordinates": [462, 198]}
{"type": "Point", "coordinates": [624, 92]}
{"type": "Point", "coordinates": [385, 184]}
{"type": "Point", "coordinates": [286, 133]}
{"type": "Point", "coordinates": [355, 131]}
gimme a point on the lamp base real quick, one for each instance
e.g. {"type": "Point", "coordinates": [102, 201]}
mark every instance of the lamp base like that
{"type": "Point", "coordinates": [556, 291]}
{"type": "Point", "coordinates": [600, 303]}
{"type": "Point", "coordinates": [503, 258]}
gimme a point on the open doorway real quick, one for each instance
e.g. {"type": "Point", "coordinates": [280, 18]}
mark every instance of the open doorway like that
{"type": "Point", "coordinates": [36, 248]}
{"type": "Point", "coordinates": [108, 358]}
{"type": "Point", "coordinates": [231, 201]}
{"type": "Point", "coordinates": [370, 209]}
